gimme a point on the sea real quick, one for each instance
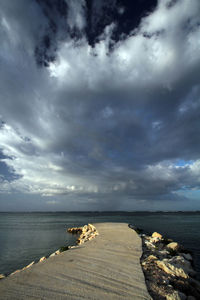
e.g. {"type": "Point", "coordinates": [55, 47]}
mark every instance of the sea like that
{"type": "Point", "coordinates": [26, 237]}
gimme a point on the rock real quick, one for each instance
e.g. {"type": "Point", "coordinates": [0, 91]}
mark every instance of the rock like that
{"type": "Point", "coordinates": [74, 230]}
{"type": "Point", "coordinates": [80, 241]}
{"type": "Point", "coordinates": [190, 298]}
{"type": "Point", "coordinates": [32, 263]}
{"type": "Point", "coordinates": [176, 295]}
{"type": "Point", "coordinates": [57, 252]}
{"type": "Point", "coordinates": [171, 269]}
{"type": "Point", "coordinates": [155, 239]}
{"type": "Point", "coordinates": [53, 254]}
{"type": "Point", "coordinates": [180, 262]}
{"type": "Point", "coordinates": [163, 253]}
{"type": "Point", "coordinates": [85, 229]}
{"type": "Point", "coordinates": [2, 276]}
{"type": "Point", "coordinates": [151, 258]}
{"type": "Point", "coordinates": [149, 245]}
{"type": "Point", "coordinates": [187, 256]}
{"type": "Point", "coordinates": [91, 227]}
{"type": "Point", "coordinates": [87, 233]}
{"type": "Point", "coordinates": [156, 234]}
{"type": "Point", "coordinates": [42, 258]}
{"type": "Point", "coordinates": [13, 273]}
{"type": "Point", "coordinates": [173, 246]}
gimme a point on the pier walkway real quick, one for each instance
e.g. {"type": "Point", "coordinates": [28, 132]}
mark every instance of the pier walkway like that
{"type": "Point", "coordinates": [107, 267]}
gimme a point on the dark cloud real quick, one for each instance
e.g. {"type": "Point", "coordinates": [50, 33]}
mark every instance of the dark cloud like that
{"type": "Point", "coordinates": [94, 126]}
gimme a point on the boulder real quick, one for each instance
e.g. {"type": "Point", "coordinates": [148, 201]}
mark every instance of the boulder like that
{"type": "Point", "coordinates": [91, 227]}
{"type": "Point", "coordinates": [87, 232]}
{"type": "Point", "coordinates": [163, 253]}
{"type": "Point", "coordinates": [42, 258]}
{"type": "Point", "coordinates": [180, 262]}
{"type": "Point", "coordinates": [155, 239]}
{"type": "Point", "coordinates": [2, 276]}
{"type": "Point", "coordinates": [74, 230]}
{"type": "Point", "coordinates": [177, 266]}
{"type": "Point", "coordinates": [72, 247]}
{"type": "Point", "coordinates": [32, 263]}
{"type": "Point", "coordinates": [151, 258]}
{"type": "Point", "coordinates": [176, 295]}
{"type": "Point", "coordinates": [171, 269]}
{"type": "Point", "coordinates": [149, 245]}
{"type": "Point", "coordinates": [157, 235]}
{"type": "Point", "coordinates": [173, 246]}
{"type": "Point", "coordinates": [13, 273]}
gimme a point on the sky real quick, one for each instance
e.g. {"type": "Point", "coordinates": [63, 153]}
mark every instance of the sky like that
{"type": "Point", "coordinates": [99, 105]}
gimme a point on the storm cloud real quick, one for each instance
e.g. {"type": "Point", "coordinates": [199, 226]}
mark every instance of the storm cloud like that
{"type": "Point", "coordinates": [95, 114]}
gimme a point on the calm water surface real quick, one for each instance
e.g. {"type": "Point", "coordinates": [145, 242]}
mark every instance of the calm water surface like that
{"type": "Point", "coordinates": [25, 237]}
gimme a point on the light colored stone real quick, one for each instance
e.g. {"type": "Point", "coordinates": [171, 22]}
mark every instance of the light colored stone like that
{"type": "Point", "coordinates": [13, 273]}
{"type": "Point", "coordinates": [57, 252]}
{"type": "Point", "coordinates": [32, 263]}
{"type": "Point", "coordinates": [74, 230]}
{"type": "Point", "coordinates": [173, 246]}
{"type": "Point", "coordinates": [176, 295]}
{"type": "Point", "coordinates": [164, 253]}
{"type": "Point", "coordinates": [156, 234]}
{"type": "Point", "coordinates": [91, 227]}
{"type": "Point", "coordinates": [187, 256]}
{"type": "Point", "coordinates": [180, 262]}
{"type": "Point", "coordinates": [149, 245]}
{"type": "Point", "coordinates": [155, 239]}
{"type": "Point", "coordinates": [42, 258]}
{"type": "Point", "coordinates": [85, 228]}
{"type": "Point", "coordinates": [87, 233]}
{"type": "Point", "coordinates": [151, 258]}
{"type": "Point", "coordinates": [53, 254]}
{"type": "Point", "coordinates": [2, 276]}
{"type": "Point", "coordinates": [171, 269]}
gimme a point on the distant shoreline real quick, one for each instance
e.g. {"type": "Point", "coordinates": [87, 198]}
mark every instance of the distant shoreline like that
{"type": "Point", "coordinates": [106, 212]}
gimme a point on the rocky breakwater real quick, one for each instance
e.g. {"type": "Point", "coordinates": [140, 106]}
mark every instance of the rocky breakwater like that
{"type": "Point", "coordinates": [87, 233]}
{"type": "Point", "coordinates": [168, 269]}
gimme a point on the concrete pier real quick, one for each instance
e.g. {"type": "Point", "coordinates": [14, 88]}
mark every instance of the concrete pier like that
{"type": "Point", "coordinates": [108, 267]}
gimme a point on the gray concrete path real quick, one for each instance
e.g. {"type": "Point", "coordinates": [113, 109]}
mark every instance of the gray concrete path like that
{"type": "Point", "coordinates": [108, 267]}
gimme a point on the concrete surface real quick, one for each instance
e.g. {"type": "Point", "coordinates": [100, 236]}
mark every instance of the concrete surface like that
{"type": "Point", "coordinates": [108, 267]}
